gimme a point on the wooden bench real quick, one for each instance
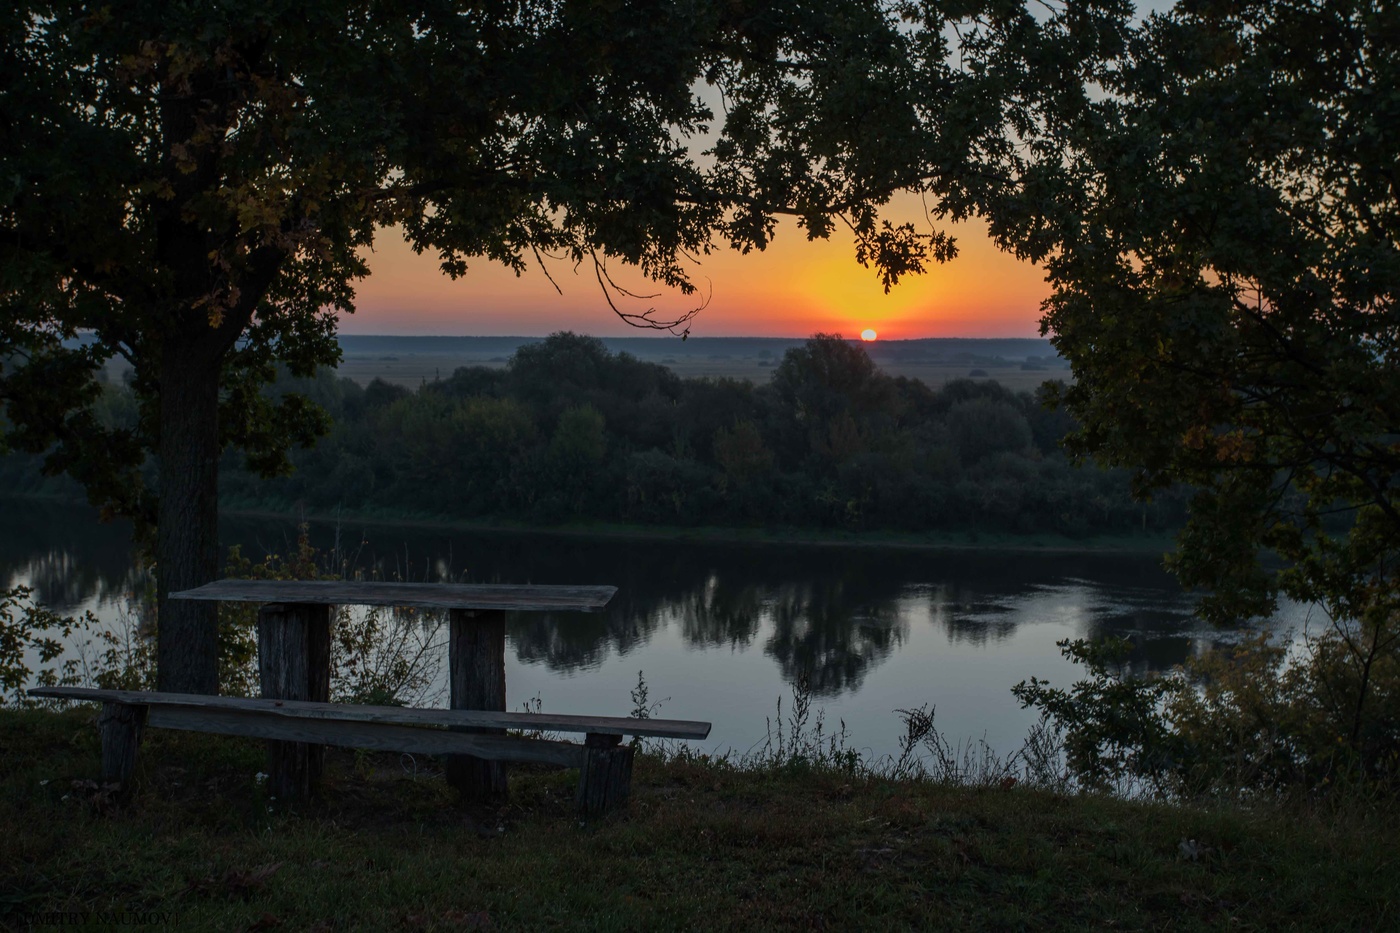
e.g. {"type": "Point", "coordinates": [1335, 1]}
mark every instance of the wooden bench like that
{"type": "Point", "coordinates": [294, 652]}
{"type": "Point", "coordinates": [605, 765]}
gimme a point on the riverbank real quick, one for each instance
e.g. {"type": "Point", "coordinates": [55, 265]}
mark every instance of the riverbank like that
{"type": "Point", "coordinates": [1143, 543]}
{"type": "Point", "coordinates": [702, 846]}
{"type": "Point", "coordinates": [777, 536]}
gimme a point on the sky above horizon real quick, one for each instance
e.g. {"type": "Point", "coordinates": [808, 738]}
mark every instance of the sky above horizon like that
{"type": "Point", "coordinates": [793, 289]}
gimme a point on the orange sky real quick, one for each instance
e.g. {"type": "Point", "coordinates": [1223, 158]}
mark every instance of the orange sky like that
{"type": "Point", "coordinates": [792, 289]}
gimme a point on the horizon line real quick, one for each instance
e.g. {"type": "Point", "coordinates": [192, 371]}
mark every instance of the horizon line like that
{"type": "Point", "coordinates": [856, 338]}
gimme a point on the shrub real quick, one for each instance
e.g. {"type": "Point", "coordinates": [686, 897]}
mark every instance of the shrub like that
{"type": "Point", "coordinates": [121, 658]}
{"type": "Point", "coordinates": [31, 634]}
{"type": "Point", "coordinates": [1249, 720]}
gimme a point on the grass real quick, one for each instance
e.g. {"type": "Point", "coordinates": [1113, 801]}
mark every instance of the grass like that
{"type": "Point", "coordinates": [703, 845]}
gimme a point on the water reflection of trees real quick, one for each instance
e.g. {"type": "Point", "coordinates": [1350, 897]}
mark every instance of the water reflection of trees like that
{"type": "Point", "coordinates": [829, 614]}
{"type": "Point", "coordinates": [830, 620]}
{"type": "Point", "coordinates": [973, 618]}
{"type": "Point", "coordinates": [1158, 639]}
{"type": "Point", "coordinates": [569, 641]}
{"type": "Point", "coordinates": [709, 613]}
{"type": "Point", "coordinates": [830, 636]}
{"type": "Point", "coordinates": [66, 555]}
{"type": "Point", "coordinates": [721, 612]}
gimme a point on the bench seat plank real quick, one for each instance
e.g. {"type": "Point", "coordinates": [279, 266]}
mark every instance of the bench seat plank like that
{"type": "Point", "coordinates": [408, 595]}
{"type": "Point", "coordinates": [377, 735]}
{"type": "Point", "coordinates": [309, 710]}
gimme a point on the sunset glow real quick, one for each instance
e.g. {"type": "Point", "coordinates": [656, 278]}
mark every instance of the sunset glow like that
{"type": "Point", "coordinates": [792, 289]}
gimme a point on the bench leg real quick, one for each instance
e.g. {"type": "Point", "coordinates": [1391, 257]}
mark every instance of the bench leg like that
{"type": "Point", "coordinates": [477, 674]}
{"type": "Point", "coordinates": [120, 725]}
{"type": "Point", "coordinates": [605, 780]}
{"type": "Point", "coordinates": [294, 651]}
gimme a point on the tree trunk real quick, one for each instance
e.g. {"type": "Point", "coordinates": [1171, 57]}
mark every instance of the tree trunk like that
{"type": "Point", "coordinates": [187, 522]}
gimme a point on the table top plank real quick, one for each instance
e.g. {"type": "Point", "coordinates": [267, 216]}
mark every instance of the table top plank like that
{"type": "Point", "coordinates": [407, 595]}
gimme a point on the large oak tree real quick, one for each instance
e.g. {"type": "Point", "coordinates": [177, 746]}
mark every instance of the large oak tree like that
{"type": "Point", "coordinates": [190, 186]}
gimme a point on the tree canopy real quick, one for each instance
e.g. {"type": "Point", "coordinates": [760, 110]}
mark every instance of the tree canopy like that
{"type": "Point", "coordinates": [1226, 263]}
{"type": "Point", "coordinates": [1212, 191]}
{"type": "Point", "coordinates": [568, 431]}
{"type": "Point", "coordinates": [190, 186]}
{"type": "Point", "coordinates": [1219, 214]}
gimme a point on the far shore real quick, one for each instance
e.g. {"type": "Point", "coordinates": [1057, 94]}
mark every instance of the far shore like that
{"type": "Point", "coordinates": [1042, 542]}
{"type": "Point", "coordinates": [782, 536]}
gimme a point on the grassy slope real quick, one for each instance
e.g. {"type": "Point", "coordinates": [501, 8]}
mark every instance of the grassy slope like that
{"type": "Point", "coordinates": [701, 847]}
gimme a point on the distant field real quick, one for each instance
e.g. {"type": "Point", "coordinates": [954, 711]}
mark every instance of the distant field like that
{"type": "Point", "coordinates": [1018, 364]}
{"type": "Point", "coordinates": [410, 361]}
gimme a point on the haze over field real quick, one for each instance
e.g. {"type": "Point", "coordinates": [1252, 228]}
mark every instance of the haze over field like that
{"type": "Point", "coordinates": [1020, 364]}
{"type": "Point", "coordinates": [411, 360]}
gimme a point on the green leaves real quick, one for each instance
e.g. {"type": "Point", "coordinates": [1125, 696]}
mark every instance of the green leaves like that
{"type": "Point", "coordinates": [1116, 737]}
{"type": "Point", "coordinates": [1221, 223]}
{"type": "Point", "coordinates": [30, 633]}
{"type": "Point", "coordinates": [1225, 262]}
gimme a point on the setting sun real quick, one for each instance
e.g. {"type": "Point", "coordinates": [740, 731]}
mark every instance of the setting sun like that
{"type": "Point", "coordinates": [867, 334]}
{"type": "Point", "coordinates": [791, 289]}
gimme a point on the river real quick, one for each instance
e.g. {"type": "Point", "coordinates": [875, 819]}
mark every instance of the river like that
{"type": "Point", "coordinates": [722, 632]}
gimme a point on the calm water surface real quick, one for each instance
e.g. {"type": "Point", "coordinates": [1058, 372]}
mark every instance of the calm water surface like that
{"type": "Point", "coordinates": [723, 631]}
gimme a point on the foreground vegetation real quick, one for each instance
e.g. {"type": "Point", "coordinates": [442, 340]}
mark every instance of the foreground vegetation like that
{"type": "Point", "coordinates": [802, 834]}
{"type": "Point", "coordinates": [702, 845]}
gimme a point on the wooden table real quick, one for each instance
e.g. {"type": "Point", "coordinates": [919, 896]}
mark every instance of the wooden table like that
{"type": "Point", "coordinates": [294, 651]}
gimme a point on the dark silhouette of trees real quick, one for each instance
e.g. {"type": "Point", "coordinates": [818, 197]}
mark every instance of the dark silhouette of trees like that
{"type": "Point", "coordinates": [191, 188]}
{"type": "Point", "coordinates": [831, 443]}
{"type": "Point", "coordinates": [1217, 204]}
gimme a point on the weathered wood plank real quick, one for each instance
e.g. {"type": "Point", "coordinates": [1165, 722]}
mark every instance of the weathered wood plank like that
{"type": "Point", "coordinates": [551, 722]}
{"type": "Point", "coordinates": [318, 675]}
{"type": "Point", "coordinates": [120, 726]}
{"type": "Point", "coordinates": [377, 736]}
{"type": "Point", "coordinates": [477, 676]}
{"type": "Point", "coordinates": [605, 777]}
{"type": "Point", "coordinates": [294, 644]}
{"type": "Point", "coordinates": [415, 595]}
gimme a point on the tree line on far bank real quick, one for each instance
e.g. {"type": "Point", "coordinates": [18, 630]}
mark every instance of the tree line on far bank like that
{"type": "Point", "coordinates": [569, 431]}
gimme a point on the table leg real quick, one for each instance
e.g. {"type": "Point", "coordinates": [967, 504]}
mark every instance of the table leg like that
{"type": "Point", "coordinates": [605, 780]}
{"type": "Point", "coordinates": [120, 725]}
{"type": "Point", "coordinates": [294, 660]}
{"type": "Point", "coordinates": [477, 675]}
